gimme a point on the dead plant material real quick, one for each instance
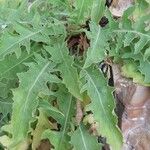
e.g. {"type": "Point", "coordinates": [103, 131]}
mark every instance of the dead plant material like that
{"type": "Point", "coordinates": [78, 44]}
{"type": "Point", "coordinates": [79, 112]}
{"type": "Point", "coordinates": [44, 145]}
{"type": "Point", "coordinates": [119, 6]}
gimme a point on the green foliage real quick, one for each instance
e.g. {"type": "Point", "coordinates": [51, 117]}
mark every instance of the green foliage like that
{"type": "Point", "coordinates": [31, 83]}
{"type": "Point", "coordinates": [81, 139]}
{"type": "Point", "coordinates": [10, 66]}
{"type": "Point", "coordinates": [45, 46]}
{"type": "Point", "coordinates": [12, 42]}
{"type": "Point", "coordinates": [97, 12]}
{"type": "Point", "coordinates": [102, 106]}
{"type": "Point", "coordinates": [66, 105]}
{"type": "Point", "coordinates": [134, 31]}
{"type": "Point", "coordinates": [97, 50]}
{"type": "Point", "coordinates": [5, 110]}
{"type": "Point", "coordinates": [83, 9]}
{"type": "Point", "coordinates": [86, 9]}
{"type": "Point", "coordinates": [59, 54]}
{"type": "Point", "coordinates": [130, 70]}
{"type": "Point", "coordinates": [144, 69]}
{"type": "Point", "coordinates": [41, 126]}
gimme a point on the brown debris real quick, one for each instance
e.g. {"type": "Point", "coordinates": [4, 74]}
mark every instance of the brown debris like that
{"type": "Point", "coordinates": [45, 145]}
{"type": "Point", "coordinates": [79, 112]}
{"type": "Point", "coordinates": [78, 44]}
{"type": "Point", "coordinates": [119, 6]}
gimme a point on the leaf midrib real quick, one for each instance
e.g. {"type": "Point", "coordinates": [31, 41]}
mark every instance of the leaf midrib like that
{"type": "Point", "coordinates": [28, 56]}
{"type": "Point", "coordinates": [34, 83]}
{"type": "Point", "coordinates": [100, 99]}
{"type": "Point", "coordinates": [18, 41]}
{"type": "Point", "coordinates": [80, 10]}
{"type": "Point", "coordinates": [65, 124]}
{"type": "Point", "coordinates": [132, 31]}
{"type": "Point", "coordinates": [65, 62]}
{"type": "Point", "coordinates": [83, 140]}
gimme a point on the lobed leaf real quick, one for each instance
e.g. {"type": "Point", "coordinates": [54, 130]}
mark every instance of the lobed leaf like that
{"type": "Point", "coordinates": [102, 105]}
{"type": "Point", "coordinates": [5, 108]}
{"type": "Point", "coordinates": [11, 42]}
{"type": "Point", "coordinates": [54, 137]}
{"type": "Point", "coordinates": [83, 8]}
{"type": "Point", "coordinates": [41, 126]}
{"type": "Point", "coordinates": [98, 43]}
{"type": "Point", "coordinates": [10, 65]}
{"type": "Point", "coordinates": [134, 33]}
{"type": "Point", "coordinates": [31, 83]}
{"type": "Point", "coordinates": [144, 69]}
{"type": "Point", "coordinates": [82, 140]}
{"type": "Point", "coordinates": [97, 12]}
{"type": "Point", "coordinates": [60, 55]}
{"type": "Point", "coordinates": [60, 140]}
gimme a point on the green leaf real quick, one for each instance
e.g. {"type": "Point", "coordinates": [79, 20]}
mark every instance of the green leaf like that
{"type": "Point", "coordinates": [66, 104]}
{"type": "Point", "coordinates": [144, 69]}
{"type": "Point", "coordinates": [136, 37]}
{"type": "Point", "coordinates": [6, 86]}
{"type": "Point", "coordinates": [6, 99]}
{"type": "Point", "coordinates": [102, 105]}
{"type": "Point", "coordinates": [98, 42]}
{"type": "Point", "coordinates": [60, 55]}
{"type": "Point", "coordinates": [86, 9]}
{"type": "Point", "coordinates": [12, 11]}
{"type": "Point", "coordinates": [134, 33]}
{"type": "Point", "coordinates": [97, 12]}
{"type": "Point", "coordinates": [31, 83]}
{"type": "Point", "coordinates": [129, 37]}
{"type": "Point", "coordinates": [49, 109]}
{"type": "Point", "coordinates": [41, 126]}
{"type": "Point", "coordinates": [130, 70]}
{"type": "Point", "coordinates": [5, 108]}
{"type": "Point", "coordinates": [83, 8]}
{"type": "Point", "coordinates": [142, 8]}
{"type": "Point", "coordinates": [140, 44]}
{"type": "Point", "coordinates": [11, 42]}
{"type": "Point", "coordinates": [54, 137]}
{"type": "Point", "coordinates": [82, 140]}
{"type": "Point", "coordinates": [10, 65]}
{"type": "Point", "coordinates": [60, 140]}
{"type": "Point", "coordinates": [5, 105]}
{"type": "Point", "coordinates": [147, 53]}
